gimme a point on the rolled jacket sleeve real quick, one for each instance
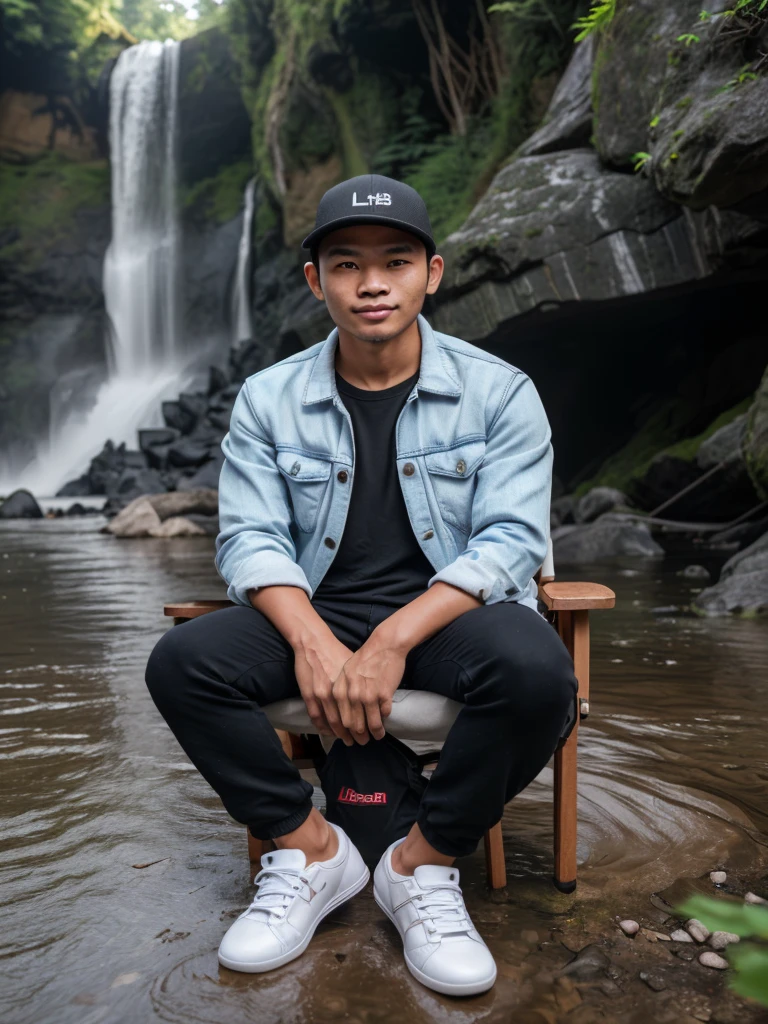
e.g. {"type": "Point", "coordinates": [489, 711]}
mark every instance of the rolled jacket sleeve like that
{"type": "Point", "coordinates": [510, 509]}
{"type": "Point", "coordinates": [254, 547]}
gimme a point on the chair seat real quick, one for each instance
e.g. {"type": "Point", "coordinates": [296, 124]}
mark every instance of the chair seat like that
{"type": "Point", "coordinates": [420, 719]}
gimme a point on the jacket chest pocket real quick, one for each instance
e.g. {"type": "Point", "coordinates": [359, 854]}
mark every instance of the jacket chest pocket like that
{"type": "Point", "coordinates": [453, 475]}
{"type": "Point", "coordinates": [307, 479]}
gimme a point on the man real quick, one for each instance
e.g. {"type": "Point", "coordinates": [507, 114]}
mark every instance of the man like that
{"type": "Point", "coordinates": [384, 505]}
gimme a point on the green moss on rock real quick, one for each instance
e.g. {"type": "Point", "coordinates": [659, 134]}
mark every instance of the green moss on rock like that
{"type": "Point", "coordinates": [41, 200]}
{"type": "Point", "coordinates": [220, 197]}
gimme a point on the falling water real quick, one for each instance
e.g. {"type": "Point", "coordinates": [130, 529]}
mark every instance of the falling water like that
{"type": "Point", "coordinates": [141, 276]}
{"type": "Point", "coordinates": [242, 326]}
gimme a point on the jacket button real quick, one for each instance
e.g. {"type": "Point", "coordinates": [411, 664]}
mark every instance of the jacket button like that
{"type": "Point", "coordinates": [342, 475]}
{"type": "Point", "coordinates": [409, 469]}
{"type": "Point", "coordinates": [295, 468]}
{"type": "Point", "coordinates": [330, 542]}
{"type": "Point", "coordinates": [461, 466]}
{"type": "Point", "coordinates": [428, 534]}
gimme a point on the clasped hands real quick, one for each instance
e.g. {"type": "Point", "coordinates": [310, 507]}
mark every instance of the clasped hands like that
{"type": "Point", "coordinates": [349, 694]}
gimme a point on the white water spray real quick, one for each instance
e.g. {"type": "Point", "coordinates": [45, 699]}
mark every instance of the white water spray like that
{"type": "Point", "coordinates": [141, 275]}
{"type": "Point", "coordinates": [242, 324]}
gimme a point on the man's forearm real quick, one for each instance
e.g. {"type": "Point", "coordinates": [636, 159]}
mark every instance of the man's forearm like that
{"type": "Point", "coordinates": [422, 617]}
{"type": "Point", "coordinates": [290, 612]}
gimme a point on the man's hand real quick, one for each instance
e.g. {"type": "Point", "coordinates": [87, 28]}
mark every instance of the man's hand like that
{"type": "Point", "coordinates": [364, 688]}
{"type": "Point", "coordinates": [318, 662]}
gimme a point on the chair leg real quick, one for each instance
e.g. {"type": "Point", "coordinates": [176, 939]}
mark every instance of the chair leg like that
{"type": "Point", "coordinates": [565, 813]}
{"type": "Point", "coordinates": [495, 867]}
{"type": "Point", "coordinates": [573, 628]}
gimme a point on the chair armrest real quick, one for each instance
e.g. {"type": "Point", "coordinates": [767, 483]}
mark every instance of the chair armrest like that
{"type": "Point", "coordinates": [192, 609]}
{"type": "Point", "coordinates": [576, 596]}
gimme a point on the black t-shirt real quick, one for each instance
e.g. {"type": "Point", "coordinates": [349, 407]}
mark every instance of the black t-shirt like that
{"type": "Point", "coordinates": [379, 559]}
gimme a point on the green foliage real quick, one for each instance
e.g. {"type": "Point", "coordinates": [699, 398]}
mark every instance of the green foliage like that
{"type": "Point", "coordinates": [220, 197]}
{"type": "Point", "coordinates": [447, 176]}
{"type": "Point", "coordinates": [687, 38]}
{"type": "Point", "coordinates": [641, 159]}
{"type": "Point", "coordinates": [749, 959]}
{"type": "Point", "coordinates": [599, 17]}
{"type": "Point", "coordinates": [42, 198]}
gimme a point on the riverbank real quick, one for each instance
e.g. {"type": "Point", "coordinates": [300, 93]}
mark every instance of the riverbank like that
{"type": "Point", "coordinates": [121, 871]}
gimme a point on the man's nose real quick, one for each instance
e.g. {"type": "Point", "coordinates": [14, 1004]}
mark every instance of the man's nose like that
{"type": "Point", "coordinates": [373, 283]}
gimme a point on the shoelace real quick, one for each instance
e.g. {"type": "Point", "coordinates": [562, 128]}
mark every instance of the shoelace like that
{"type": "Point", "coordinates": [448, 914]}
{"type": "Point", "coordinates": [277, 890]}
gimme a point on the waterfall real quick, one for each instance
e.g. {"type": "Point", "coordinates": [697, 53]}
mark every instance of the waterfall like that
{"type": "Point", "coordinates": [242, 325]}
{"type": "Point", "coordinates": [141, 276]}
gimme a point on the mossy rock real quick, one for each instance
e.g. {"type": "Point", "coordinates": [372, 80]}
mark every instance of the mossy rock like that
{"type": "Point", "coordinates": [756, 443]}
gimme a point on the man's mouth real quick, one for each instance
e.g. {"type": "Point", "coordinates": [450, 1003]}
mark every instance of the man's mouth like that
{"type": "Point", "coordinates": [374, 313]}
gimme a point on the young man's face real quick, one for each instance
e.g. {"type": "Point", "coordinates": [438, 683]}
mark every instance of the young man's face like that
{"type": "Point", "coordinates": [373, 279]}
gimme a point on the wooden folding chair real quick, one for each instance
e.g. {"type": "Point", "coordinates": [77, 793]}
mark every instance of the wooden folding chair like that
{"type": "Point", "coordinates": [568, 606]}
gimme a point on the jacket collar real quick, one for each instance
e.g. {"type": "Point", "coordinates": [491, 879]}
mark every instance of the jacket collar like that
{"type": "Point", "coordinates": [434, 376]}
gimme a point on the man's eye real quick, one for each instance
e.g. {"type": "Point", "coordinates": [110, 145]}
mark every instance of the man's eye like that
{"type": "Point", "coordinates": [399, 261]}
{"type": "Point", "coordinates": [348, 263]}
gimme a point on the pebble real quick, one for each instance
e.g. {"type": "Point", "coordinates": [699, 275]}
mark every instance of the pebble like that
{"type": "Point", "coordinates": [629, 927]}
{"type": "Point", "coordinates": [753, 898]}
{"type": "Point", "coordinates": [653, 981]}
{"type": "Point", "coordinates": [697, 930]}
{"type": "Point", "coordinates": [681, 936]}
{"type": "Point", "coordinates": [720, 940]}
{"type": "Point", "coordinates": [718, 877]}
{"type": "Point", "coordinates": [713, 960]}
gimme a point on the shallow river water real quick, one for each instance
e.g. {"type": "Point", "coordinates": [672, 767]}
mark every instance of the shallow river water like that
{"type": "Point", "coordinates": [120, 870]}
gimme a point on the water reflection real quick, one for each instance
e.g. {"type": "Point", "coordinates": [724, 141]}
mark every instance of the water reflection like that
{"type": "Point", "coordinates": [673, 776]}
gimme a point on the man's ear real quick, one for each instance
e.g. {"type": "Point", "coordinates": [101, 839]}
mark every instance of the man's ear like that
{"type": "Point", "coordinates": [313, 280]}
{"type": "Point", "coordinates": [436, 268]}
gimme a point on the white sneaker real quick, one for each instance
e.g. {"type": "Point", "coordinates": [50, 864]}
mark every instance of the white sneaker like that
{"type": "Point", "coordinates": [442, 948]}
{"type": "Point", "coordinates": [292, 898]}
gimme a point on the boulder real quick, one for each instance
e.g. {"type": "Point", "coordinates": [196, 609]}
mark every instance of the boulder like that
{"type": "Point", "coordinates": [751, 559]}
{"type": "Point", "coordinates": [176, 503]}
{"type": "Point", "coordinates": [597, 501]}
{"type": "Point", "coordinates": [218, 379]}
{"type": "Point", "coordinates": [562, 510]}
{"type": "Point", "coordinates": [177, 526]}
{"type": "Point", "coordinates": [561, 227]}
{"type": "Point", "coordinates": [725, 445]}
{"type": "Point", "coordinates": [631, 64]}
{"type": "Point", "coordinates": [133, 483]}
{"type": "Point", "coordinates": [756, 439]}
{"type": "Point", "coordinates": [743, 585]}
{"type": "Point", "coordinates": [186, 452]}
{"type": "Point", "coordinates": [568, 121]}
{"type": "Point", "coordinates": [75, 488]}
{"type": "Point", "coordinates": [611, 535]}
{"type": "Point", "coordinates": [137, 520]}
{"type": "Point", "coordinates": [207, 477]}
{"type": "Point", "coordinates": [20, 504]}
{"type": "Point", "coordinates": [178, 418]}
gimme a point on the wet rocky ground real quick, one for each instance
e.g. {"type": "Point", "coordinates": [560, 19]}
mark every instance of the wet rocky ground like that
{"type": "Point", "coordinates": [120, 871]}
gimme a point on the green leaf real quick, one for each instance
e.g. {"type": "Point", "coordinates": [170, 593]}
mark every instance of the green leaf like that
{"type": "Point", "coordinates": [725, 915]}
{"type": "Point", "coordinates": [751, 964]}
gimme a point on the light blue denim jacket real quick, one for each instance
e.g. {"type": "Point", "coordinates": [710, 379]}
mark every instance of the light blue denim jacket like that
{"type": "Point", "coordinates": [474, 461]}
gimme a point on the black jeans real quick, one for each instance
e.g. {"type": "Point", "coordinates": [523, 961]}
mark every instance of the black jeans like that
{"type": "Point", "coordinates": [211, 676]}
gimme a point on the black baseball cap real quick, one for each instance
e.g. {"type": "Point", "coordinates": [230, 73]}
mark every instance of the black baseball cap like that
{"type": "Point", "coordinates": [372, 199]}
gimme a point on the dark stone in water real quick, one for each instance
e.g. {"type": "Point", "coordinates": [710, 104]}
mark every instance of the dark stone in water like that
{"type": "Point", "coordinates": [20, 505]}
{"type": "Point", "coordinates": [133, 482]}
{"type": "Point", "coordinates": [178, 418]}
{"type": "Point", "coordinates": [149, 439]}
{"type": "Point", "coordinates": [75, 488]}
{"type": "Point", "coordinates": [217, 380]}
{"type": "Point", "coordinates": [187, 453]}
{"type": "Point", "coordinates": [206, 476]}
{"type": "Point", "coordinates": [590, 962]}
